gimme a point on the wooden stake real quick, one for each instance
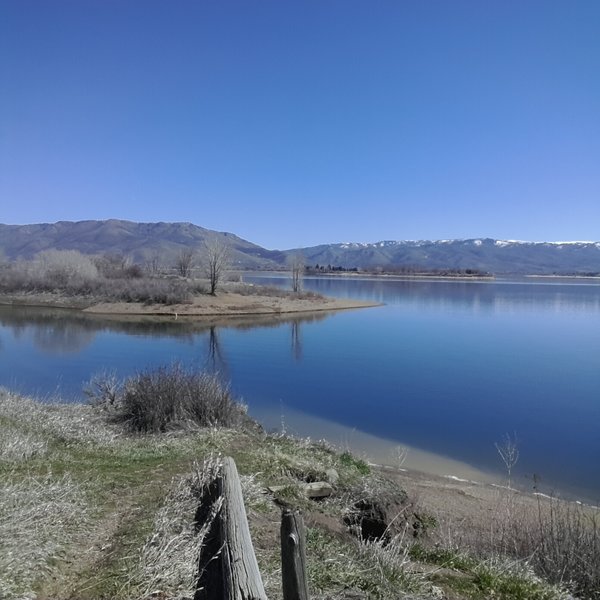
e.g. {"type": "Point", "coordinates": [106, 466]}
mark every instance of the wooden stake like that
{"type": "Point", "coordinates": [293, 556]}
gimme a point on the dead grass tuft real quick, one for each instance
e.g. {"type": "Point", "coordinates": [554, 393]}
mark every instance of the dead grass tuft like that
{"type": "Point", "coordinates": [19, 446]}
{"type": "Point", "coordinates": [169, 559]}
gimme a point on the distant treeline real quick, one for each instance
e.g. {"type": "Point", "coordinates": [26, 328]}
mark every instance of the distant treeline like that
{"type": "Point", "coordinates": [408, 270]}
{"type": "Point", "coordinates": [330, 269]}
{"type": "Point", "coordinates": [400, 270]}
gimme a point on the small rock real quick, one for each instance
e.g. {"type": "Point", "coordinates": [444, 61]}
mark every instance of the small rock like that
{"type": "Point", "coordinates": [332, 476]}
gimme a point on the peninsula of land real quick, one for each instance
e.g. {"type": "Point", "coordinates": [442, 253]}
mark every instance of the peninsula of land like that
{"type": "Point", "coordinates": [224, 304]}
{"type": "Point", "coordinates": [232, 304]}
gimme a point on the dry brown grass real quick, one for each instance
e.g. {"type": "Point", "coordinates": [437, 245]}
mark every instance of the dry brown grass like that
{"type": "Point", "coordinates": [39, 517]}
{"type": "Point", "coordinates": [250, 289]}
{"type": "Point", "coordinates": [34, 423]}
{"type": "Point", "coordinates": [554, 539]}
{"type": "Point", "coordinates": [169, 559]}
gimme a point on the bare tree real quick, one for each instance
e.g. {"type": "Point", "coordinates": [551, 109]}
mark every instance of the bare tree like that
{"type": "Point", "coordinates": [185, 262]}
{"type": "Point", "coordinates": [153, 265]}
{"type": "Point", "coordinates": [216, 262]}
{"type": "Point", "coordinates": [509, 453]}
{"type": "Point", "coordinates": [296, 264]}
{"type": "Point", "coordinates": [116, 265]}
{"type": "Point", "coordinates": [400, 453]}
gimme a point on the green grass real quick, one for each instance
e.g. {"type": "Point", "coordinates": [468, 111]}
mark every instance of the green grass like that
{"type": "Point", "coordinates": [348, 460]}
{"type": "Point", "coordinates": [367, 567]}
{"type": "Point", "coordinates": [478, 579]}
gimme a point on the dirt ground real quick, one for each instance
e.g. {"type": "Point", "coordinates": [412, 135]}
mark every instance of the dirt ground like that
{"type": "Point", "coordinates": [468, 510]}
{"type": "Point", "coordinates": [229, 303]}
{"type": "Point", "coordinates": [224, 304]}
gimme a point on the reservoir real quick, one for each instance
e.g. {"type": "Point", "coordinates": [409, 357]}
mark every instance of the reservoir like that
{"type": "Point", "coordinates": [440, 373]}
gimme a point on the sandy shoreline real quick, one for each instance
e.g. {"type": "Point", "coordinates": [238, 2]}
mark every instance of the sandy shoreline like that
{"type": "Point", "coordinates": [224, 304]}
{"type": "Point", "coordinates": [233, 304]}
{"type": "Point", "coordinates": [443, 479]}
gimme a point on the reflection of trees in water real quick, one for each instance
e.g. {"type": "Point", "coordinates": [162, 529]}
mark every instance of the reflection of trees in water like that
{"type": "Point", "coordinates": [215, 359]}
{"type": "Point", "coordinates": [50, 330]}
{"type": "Point", "coordinates": [64, 330]}
{"type": "Point", "coordinates": [21, 319]}
{"type": "Point", "coordinates": [296, 340]}
{"type": "Point", "coordinates": [62, 337]}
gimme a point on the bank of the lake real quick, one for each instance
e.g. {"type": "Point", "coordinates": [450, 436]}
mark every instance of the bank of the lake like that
{"type": "Point", "coordinates": [444, 368]}
{"type": "Point", "coordinates": [223, 304]}
{"type": "Point", "coordinates": [89, 511]}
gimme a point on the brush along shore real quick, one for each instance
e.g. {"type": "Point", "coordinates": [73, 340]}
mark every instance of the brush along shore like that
{"type": "Point", "coordinates": [232, 301]}
{"type": "Point", "coordinates": [101, 501]}
{"type": "Point", "coordinates": [234, 304]}
{"type": "Point", "coordinates": [110, 285]}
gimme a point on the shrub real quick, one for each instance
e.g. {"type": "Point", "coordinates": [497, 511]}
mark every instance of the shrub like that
{"type": "Point", "coordinates": [169, 397]}
{"type": "Point", "coordinates": [117, 266]}
{"type": "Point", "coordinates": [559, 540]}
{"type": "Point", "coordinates": [251, 289]}
{"type": "Point", "coordinates": [44, 275]}
{"type": "Point", "coordinates": [63, 266]}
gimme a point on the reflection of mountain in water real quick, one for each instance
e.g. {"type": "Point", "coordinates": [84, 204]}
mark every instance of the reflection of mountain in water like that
{"type": "Point", "coordinates": [64, 331]}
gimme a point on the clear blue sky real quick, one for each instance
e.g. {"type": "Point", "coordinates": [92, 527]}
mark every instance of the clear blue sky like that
{"type": "Point", "coordinates": [296, 123]}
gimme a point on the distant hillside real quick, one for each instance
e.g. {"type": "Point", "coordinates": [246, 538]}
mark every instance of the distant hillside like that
{"type": "Point", "coordinates": [493, 256]}
{"type": "Point", "coordinates": [144, 241]}
{"type": "Point", "coordinates": [140, 241]}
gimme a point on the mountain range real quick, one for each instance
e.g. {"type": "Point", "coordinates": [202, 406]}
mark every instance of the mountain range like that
{"type": "Point", "coordinates": [146, 241]}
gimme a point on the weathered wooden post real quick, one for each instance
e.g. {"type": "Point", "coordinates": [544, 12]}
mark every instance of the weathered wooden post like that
{"type": "Point", "coordinates": [228, 566]}
{"type": "Point", "coordinates": [293, 556]}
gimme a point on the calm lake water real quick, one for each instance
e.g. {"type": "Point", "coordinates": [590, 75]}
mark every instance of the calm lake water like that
{"type": "Point", "coordinates": [445, 367]}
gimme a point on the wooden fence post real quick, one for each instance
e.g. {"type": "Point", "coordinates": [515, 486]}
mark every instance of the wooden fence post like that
{"type": "Point", "coordinates": [293, 556]}
{"type": "Point", "coordinates": [228, 568]}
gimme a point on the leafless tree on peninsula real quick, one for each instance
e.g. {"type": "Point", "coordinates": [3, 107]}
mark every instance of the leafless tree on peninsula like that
{"type": "Point", "coordinates": [216, 262]}
{"type": "Point", "coordinates": [185, 262]}
{"type": "Point", "coordinates": [296, 264]}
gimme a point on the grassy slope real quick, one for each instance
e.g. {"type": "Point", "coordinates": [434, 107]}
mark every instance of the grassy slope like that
{"type": "Point", "coordinates": [88, 512]}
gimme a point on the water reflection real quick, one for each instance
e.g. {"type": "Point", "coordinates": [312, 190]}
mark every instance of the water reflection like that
{"type": "Point", "coordinates": [215, 358]}
{"type": "Point", "coordinates": [51, 331]}
{"type": "Point", "coordinates": [62, 337]}
{"type": "Point", "coordinates": [296, 340]}
{"type": "Point", "coordinates": [473, 296]}
{"type": "Point", "coordinates": [68, 331]}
